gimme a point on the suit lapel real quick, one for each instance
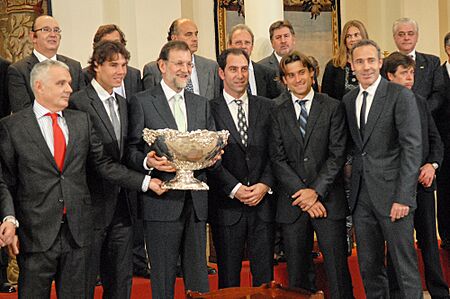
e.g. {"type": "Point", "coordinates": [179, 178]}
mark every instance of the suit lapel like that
{"type": "Point", "coordinates": [73, 136]}
{"type": "Point", "coordinates": [291, 117]}
{"type": "Point", "coordinates": [123, 115]}
{"type": "Point", "coordinates": [254, 108]}
{"type": "Point", "coordinates": [191, 111]}
{"type": "Point", "coordinates": [316, 109]}
{"type": "Point", "coordinates": [351, 116]}
{"type": "Point", "coordinates": [162, 107]}
{"type": "Point", "coordinates": [101, 112]}
{"type": "Point", "coordinates": [202, 74]}
{"type": "Point", "coordinates": [224, 114]}
{"type": "Point", "coordinates": [36, 136]}
{"type": "Point", "coordinates": [375, 110]}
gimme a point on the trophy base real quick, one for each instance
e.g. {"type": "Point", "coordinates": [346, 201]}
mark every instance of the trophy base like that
{"type": "Point", "coordinates": [185, 180]}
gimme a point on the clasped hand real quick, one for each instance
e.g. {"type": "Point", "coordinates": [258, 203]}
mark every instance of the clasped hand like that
{"type": "Point", "coordinates": [252, 195]}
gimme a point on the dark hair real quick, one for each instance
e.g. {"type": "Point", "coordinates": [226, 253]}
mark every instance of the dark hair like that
{"type": "Point", "coordinates": [447, 39]}
{"type": "Point", "coordinates": [394, 60]}
{"type": "Point", "coordinates": [106, 51]}
{"type": "Point", "coordinates": [107, 29]}
{"type": "Point", "coordinates": [366, 42]}
{"type": "Point", "coordinates": [280, 24]}
{"type": "Point", "coordinates": [293, 57]}
{"type": "Point", "coordinates": [222, 59]}
{"type": "Point", "coordinates": [172, 45]}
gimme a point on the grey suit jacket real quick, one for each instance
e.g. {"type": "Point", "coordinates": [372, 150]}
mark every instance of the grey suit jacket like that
{"type": "Point", "coordinates": [6, 201]}
{"type": "Point", "coordinates": [207, 72]}
{"type": "Point", "coordinates": [41, 191]}
{"type": "Point", "coordinates": [271, 62]}
{"type": "Point", "coordinates": [20, 92]}
{"type": "Point", "coordinates": [132, 81]}
{"type": "Point", "coordinates": [150, 109]}
{"type": "Point", "coordinates": [389, 157]}
{"type": "Point", "coordinates": [104, 194]}
{"type": "Point", "coordinates": [314, 161]}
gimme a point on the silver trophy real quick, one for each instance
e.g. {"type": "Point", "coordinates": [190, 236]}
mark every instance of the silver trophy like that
{"type": "Point", "coordinates": [187, 151]}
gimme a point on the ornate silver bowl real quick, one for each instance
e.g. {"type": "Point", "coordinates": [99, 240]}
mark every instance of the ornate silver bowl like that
{"type": "Point", "coordinates": [186, 151]}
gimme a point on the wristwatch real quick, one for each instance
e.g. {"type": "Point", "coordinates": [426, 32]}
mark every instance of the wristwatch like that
{"type": "Point", "coordinates": [435, 165]}
{"type": "Point", "coordinates": [12, 219]}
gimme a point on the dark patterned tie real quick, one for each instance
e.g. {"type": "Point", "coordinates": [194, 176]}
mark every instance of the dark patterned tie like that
{"type": "Point", "coordinates": [303, 117]}
{"type": "Point", "coordinates": [114, 119]}
{"type": "Point", "coordinates": [362, 115]}
{"type": "Point", "coordinates": [189, 86]}
{"type": "Point", "coordinates": [242, 122]}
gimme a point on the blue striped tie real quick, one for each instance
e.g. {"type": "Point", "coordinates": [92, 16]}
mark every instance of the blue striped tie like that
{"type": "Point", "coordinates": [303, 117]}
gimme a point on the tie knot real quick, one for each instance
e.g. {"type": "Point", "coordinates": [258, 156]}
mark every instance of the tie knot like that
{"type": "Point", "coordinates": [239, 102]}
{"type": "Point", "coordinates": [365, 93]}
{"type": "Point", "coordinates": [54, 116]}
{"type": "Point", "coordinates": [302, 102]}
{"type": "Point", "coordinates": [111, 100]}
{"type": "Point", "coordinates": [177, 97]}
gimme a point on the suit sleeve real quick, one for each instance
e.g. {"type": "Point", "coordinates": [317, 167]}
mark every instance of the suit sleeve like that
{"type": "Point", "coordinates": [148, 77]}
{"type": "Point", "coordinates": [436, 153]}
{"type": "Point", "coordinates": [19, 98]}
{"type": "Point", "coordinates": [410, 139]}
{"type": "Point", "coordinates": [79, 82]}
{"type": "Point", "coordinates": [435, 99]}
{"type": "Point", "coordinates": [337, 143]}
{"type": "Point", "coordinates": [6, 201]}
{"type": "Point", "coordinates": [108, 169]}
{"type": "Point", "coordinates": [8, 170]}
{"type": "Point", "coordinates": [287, 177]}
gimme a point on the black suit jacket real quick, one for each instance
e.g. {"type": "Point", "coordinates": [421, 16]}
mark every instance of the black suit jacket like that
{"type": "Point", "coordinates": [428, 80]}
{"type": "Point", "coordinates": [150, 109]}
{"type": "Point", "coordinates": [132, 81]}
{"type": "Point", "coordinates": [6, 201]}
{"type": "Point", "coordinates": [4, 98]}
{"type": "Point", "coordinates": [246, 165]}
{"type": "Point", "coordinates": [104, 193]}
{"type": "Point", "coordinates": [389, 157]}
{"type": "Point", "coordinates": [20, 92]}
{"type": "Point", "coordinates": [442, 115]}
{"type": "Point", "coordinates": [314, 161]}
{"type": "Point", "coordinates": [266, 84]}
{"type": "Point", "coordinates": [333, 81]}
{"type": "Point", "coordinates": [41, 191]}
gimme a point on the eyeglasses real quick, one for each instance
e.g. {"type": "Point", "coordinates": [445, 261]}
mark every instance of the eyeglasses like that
{"type": "Point", "coordinates": [48, 30]}
{"type": "Point", "coordinates": [180, 64]}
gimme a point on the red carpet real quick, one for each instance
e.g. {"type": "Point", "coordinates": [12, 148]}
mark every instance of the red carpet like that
{"type": "Point", "coordinates": [141, 287]}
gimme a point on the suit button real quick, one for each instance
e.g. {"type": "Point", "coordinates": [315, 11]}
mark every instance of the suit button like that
{"type": "Point", "coordinates": [62, 177]}
{"type": "Point", "coordinates": [247, 159]}
{"type": "Point", "coordinates": [364, 154]}
{"type": "Point", "coordinates": [61, 200]}
{"type": "Point", "coordinates": [305, 159]}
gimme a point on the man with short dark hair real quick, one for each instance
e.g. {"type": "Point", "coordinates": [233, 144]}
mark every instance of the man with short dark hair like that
{"type": "Point", "coordinates": [113, 230]}
{"type": "Point", "coordinates": [46, 36]}
{"type": "Point", "coordinates": [282, 37]}
{"type": "Point", "coordinates": [308, 150]}
{"type": "Point", "coordinates": [132, 82]}
{"type": "Point", "coordinates": [241, 210]}
{"type": "Point", "coordinates": [174, 223]}
{"type": "Point", "coordinates": [204, 79]}
{"type": "Point", "coordinates": [45, 150]}
{"type": "Point", "coordinates": [387, 151]}
{"type": "Point", "coordinates": [261, 79]}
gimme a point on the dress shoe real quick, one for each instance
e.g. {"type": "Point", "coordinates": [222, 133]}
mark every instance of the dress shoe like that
{"type": "Point", "coordinates": [7, 288]}
{"type": "Point", "coordinates": [211, 271]}
{"type": "Point", "coordinates": [445, 244]}
{"type": "Point", "coordinates": [142, 272]}
{"type": "Point", "coordinates": [315, 254]}
{"type": "Point", "coordinates": [98, 281]}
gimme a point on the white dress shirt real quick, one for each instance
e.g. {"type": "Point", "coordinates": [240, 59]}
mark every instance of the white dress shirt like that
{"type": "Point", "coordinates": [194, 77]}
{"type": "Point", "coordinates": [447, 65]}
{"type": "Point", "coordinates": [41, 57]}
{"type": "Point", "coordinates": [369, 100]}
{"type": "Point", "coordinates": [309, 97]}
{"type": "Point", "coordinates": [252, 79]}
{"type": "Point", "coordinates": [104, 96]}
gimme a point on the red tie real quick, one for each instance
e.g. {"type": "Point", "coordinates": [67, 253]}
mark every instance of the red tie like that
{"type": "Point", "coordinates": [59, 141]}
{"type": "Point", "coordinates": [59, 144]}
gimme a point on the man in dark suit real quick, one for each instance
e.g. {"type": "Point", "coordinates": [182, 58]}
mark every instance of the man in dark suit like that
{"type": "Point", "coordinates": [130, 85]}
{"type": "Point", "coordinates": [428, 79]}
{"type": "Point", "coordinates": [4, 98]}
{"type": "Point", "coordinates": [399, 68]}
{"type": "Point", "coordinates": [443, 179]}
{"type": "Point", "coordinates": [282, 37]}
{"type": "Point", "coordinates": [113, 230]}
{"type": "Point", "coordinates": [132, 82]}
{"type": "Point", "coordinates": [44, 150]}
{"type": "Point", "coordinates": [204, 80]}
{"type": "Point", "coordinates": [46, 36]}
{"type": "Point", "coordinates": [308, 153]}
{"type": "Point", "coordinates": [387, 153]}
{"type": "Point", "coordinates": [261, 78]}
{"type": "Point", "coordinates": [241, 210]}
{"type": "Point", "coordinates": [174, 223]}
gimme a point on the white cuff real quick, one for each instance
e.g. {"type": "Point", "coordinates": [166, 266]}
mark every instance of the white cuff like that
{"type": "Point", "coordinates": [235, 189]}
{"type": "Point", "coordinates": [146, 183]}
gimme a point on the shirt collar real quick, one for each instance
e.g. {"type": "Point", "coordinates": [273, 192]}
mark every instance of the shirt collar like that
{"type": "Point", "coordinates": [42, 57]}
{"type": "Point", "coordinates": [250, 65]}
{"type": "Point", "coordinates": [169, 92]}
{"type": "Point", "coordinates": [372, 88]}
{"type": "Point", "coordinates": [277, 56]}
{"type": "Point", "coordinates": [230, 99]}
{"type": "Point", "coordinates": [412, 54]}
{"type": "Point", "coordinates": [41, 111]}
{"type": "Point", "coordinates": [101, 92]}
{"type": "Point", "coordinates": [309, 96]}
